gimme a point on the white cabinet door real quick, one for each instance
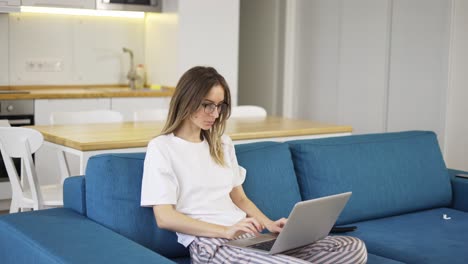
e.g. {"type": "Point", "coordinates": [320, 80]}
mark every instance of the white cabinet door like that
{"type": "Point", "coordinates": [46, 158]}
{"type": "Point", "coordinates": [10, 3]}
{"type": "Point", "coordinates": [418, 81]}
{"type": "Point", "coordinates": [44, 107]}
{"type": "Point", "coordinates": [127, 105]}
{"type": "Point", "coordinates": [4, 49]}
{"type": "Point", "coordinates": [7, 6]}
{"type": "Point", "coordinates": [88, 4]}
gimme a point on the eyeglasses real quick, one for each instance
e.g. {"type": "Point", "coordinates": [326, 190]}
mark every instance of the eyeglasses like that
{"type": "Point", "coordinates": [210, 107]}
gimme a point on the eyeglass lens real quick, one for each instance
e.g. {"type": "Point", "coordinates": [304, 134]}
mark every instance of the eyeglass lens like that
{"type": "Point", "coordinates": [209, 108]}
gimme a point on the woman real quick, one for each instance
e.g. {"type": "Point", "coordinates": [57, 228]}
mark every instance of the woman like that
{"type": "Point", "coordinates": [194, 184]}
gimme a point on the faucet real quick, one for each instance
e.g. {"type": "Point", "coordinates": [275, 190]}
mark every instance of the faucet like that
{"type": "Point", "coordinates": [131, 75]}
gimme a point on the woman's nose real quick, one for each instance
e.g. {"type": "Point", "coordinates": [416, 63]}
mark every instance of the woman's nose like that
{"type": "Point", "coordinates": [215, 112]}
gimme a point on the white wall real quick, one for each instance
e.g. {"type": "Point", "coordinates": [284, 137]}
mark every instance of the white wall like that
{"type": "Point", "coordinates": [317, 44]}
{"type": "Point", "coordinates": [456, 148]}
{"type": "Point", "coordinates": [209, 35]}
{"type": "Point", "coordinates": [161, 38]}
{"type": "Point", "coordinates": [261, 53]}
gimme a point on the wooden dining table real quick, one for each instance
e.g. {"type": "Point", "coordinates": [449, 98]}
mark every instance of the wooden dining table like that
{"type": "Point", "coordinates": [92, 139]}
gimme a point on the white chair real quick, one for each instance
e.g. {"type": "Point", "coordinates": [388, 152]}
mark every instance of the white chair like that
{"type": "Point", "coordinates": [248, 111]}
{"type": "Point", "coordinates": [4, 123]}
{"type": "Point", "coordinates": [18, 142]}
{"type": "Point", "coordinates": [67, 167]}
{"type": "Point", "coordinates": [150, 115]}
{"type": "Point", "coordinates": [85, 117]}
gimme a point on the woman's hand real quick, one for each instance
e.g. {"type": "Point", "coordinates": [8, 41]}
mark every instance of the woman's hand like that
{"type": "Point", "coordinates": [276, 226]}
{"type": "Point", "coordinates": [246, 225]}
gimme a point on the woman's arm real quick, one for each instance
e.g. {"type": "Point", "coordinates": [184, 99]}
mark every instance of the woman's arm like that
{"type": "Point", "coordinates": [169, 218]}
{"type": "Point", "coordinates": [240, 199]}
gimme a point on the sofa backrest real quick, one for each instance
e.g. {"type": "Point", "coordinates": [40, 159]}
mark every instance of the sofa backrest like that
{"type": "Point", "coordinates": [113, 188]}
{"type": "Point", "coordinates": [389, 173]}
{"type": "Point", "coordinates": [270, 181]}
{"type": "Point", "coordinates": [113, 191]}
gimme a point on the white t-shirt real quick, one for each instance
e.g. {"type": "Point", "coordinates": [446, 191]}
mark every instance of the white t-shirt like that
{"type": "Point", "coordinates": [183, 173]}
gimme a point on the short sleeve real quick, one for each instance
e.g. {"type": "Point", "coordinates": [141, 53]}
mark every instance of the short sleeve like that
{"type": "Point", "coordinates": [239, 172]}
{"type": "Point", "coordinates": [159, 184]}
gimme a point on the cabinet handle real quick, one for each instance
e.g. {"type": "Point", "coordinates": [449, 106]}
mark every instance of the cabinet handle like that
{"type": "Point", "coordinates": [20, 122]}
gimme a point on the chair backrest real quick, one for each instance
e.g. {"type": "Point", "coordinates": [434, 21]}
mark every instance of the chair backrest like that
{"type": "Point", "coordinates": [4, 123]}
{"type": "Point", "coordinates": [85, 117]}
{"type": "Point", "coordinates": [18, 142]}
{"type": "Point", "coordinates": [248, 111]}
{"type": "Point", "coordinates": [150, 115]}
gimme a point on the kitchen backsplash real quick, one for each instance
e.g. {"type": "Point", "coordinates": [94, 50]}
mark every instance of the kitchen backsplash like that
{"type": "Point", "coordinates": [38, 49]}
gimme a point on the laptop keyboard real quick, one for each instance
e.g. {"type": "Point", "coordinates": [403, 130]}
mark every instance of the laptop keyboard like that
{"type": "Point", "coordinates": [267, 245]}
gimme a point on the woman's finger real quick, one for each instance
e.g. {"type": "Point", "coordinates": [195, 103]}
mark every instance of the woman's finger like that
{"type": "Point", "coordinates": [256, 223]}
{"type": "Point", "coordinates": [251, 227]}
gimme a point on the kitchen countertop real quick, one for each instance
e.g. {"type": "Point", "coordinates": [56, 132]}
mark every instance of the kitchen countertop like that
{"type": "Point", "coordinates": [86, 140]}
{"type": "Point", "coordinates": [76, 91]}
{"type": "Point", "coordinates": [107, 136]}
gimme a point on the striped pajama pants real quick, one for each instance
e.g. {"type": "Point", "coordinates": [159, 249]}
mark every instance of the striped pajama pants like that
{"type": "Point", "coordinates": [331, 249]}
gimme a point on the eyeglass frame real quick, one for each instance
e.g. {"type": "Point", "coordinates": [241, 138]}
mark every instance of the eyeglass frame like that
{"type": "Point", "coordinates": [209, 108]}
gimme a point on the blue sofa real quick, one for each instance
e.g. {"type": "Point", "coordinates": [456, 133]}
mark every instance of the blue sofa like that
{"type": "Point", "coordinates": [401, 190]}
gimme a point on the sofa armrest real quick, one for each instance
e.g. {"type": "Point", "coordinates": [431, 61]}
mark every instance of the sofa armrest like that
{"type": "Point", "coordinates": [459, 190]}
{"type": "Point", "coordinates": [61, 235]}
{"type": "Point", "coordinates": [74, 194]}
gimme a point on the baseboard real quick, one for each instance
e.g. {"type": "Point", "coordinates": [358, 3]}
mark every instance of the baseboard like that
{"type": "Point", "coordinates": [5, 190]}
{"type": "Point", "coordinates": [5, 205]}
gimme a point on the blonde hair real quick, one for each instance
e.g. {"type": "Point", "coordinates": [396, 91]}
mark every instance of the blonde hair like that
{"type": "Point", "coordinates": [190, 91]}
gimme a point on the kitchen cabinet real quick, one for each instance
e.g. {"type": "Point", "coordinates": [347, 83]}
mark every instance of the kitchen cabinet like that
{"type": "Point", "coordinates": [4, 48]}
{"type": "Point", "coordinates": [46, 157]}
{"type": "Point", "coordinates": [44, 107]}
{"type": "Point", "coordinates": [88, 4]}
{"type": "Point", "coordinates": [379, 66]}
{"type": "Point", "coordinates": [9, 6]}
{"type": "Point", "coordinates": [126, 106]}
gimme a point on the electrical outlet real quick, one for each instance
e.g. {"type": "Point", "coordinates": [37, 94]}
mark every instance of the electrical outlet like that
{"type": "Point", "coordinates": [44, 65]}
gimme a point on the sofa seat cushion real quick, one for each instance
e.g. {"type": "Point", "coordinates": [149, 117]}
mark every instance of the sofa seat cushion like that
{"type": "Point", "coordinates": [63, 236]}
{"type": "Point", "coordinates": [420, 237]}
{"type": "Point", "coordinates": [270, 182]}
{"type": "Point", "coordinates": [185, 260]}
{"type": "Point", "coordinates": [389, 173]}
{"type": "Point", "coordinates": [374, 259]}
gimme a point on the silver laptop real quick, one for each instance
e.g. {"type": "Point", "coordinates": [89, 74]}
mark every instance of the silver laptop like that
{"type": "Point", "coordinates": [308, 222]}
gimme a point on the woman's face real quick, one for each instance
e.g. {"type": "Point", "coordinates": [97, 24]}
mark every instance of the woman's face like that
{"type": "Point", "coordinates": [202, 118]}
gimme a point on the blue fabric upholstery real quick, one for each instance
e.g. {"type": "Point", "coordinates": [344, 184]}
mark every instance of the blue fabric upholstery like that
{"type": "Point", "coordinates": [185, 260]}
{"type": "Point", "coordinates": [113, 190]}
{"type": "Point", "coordinates": [374, 259]}
{"type": "Point", "coordinates": [270, 169]}
{"type": "Point", "coordinates": [460, 191]}
{"type": "Point", "coordinates": [420, 237]}
{"type": "Point", "coordinates": [74, 194]}
{"type": "Point", "coordinates": [400, 187]}
{"type": "Point", "coordinates": [64, 236]}
{"type": "Point", "coordinates": [389, 174]}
